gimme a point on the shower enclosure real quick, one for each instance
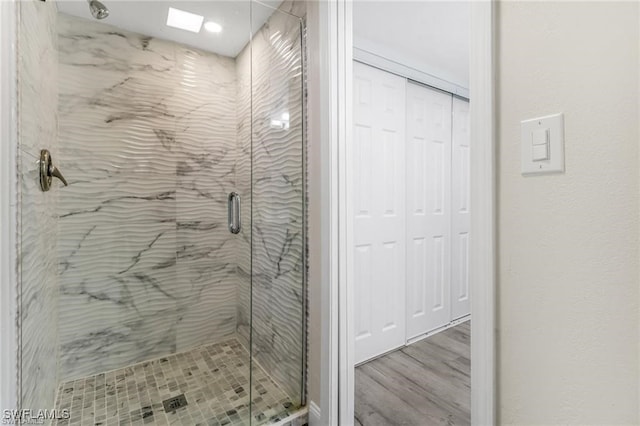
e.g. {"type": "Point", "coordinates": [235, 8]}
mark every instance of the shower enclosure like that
{"type": "Point", "coordinates": [165, 283]}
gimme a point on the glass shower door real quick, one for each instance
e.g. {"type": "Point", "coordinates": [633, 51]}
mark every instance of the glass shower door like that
{"type": "Point", "coordinates": [278, 291]}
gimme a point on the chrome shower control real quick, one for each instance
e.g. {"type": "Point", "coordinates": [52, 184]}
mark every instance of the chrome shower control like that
{"type": "Point", "coordinates": [48, 171]}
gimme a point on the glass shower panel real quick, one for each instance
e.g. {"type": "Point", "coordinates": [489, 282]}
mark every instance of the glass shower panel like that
{"type": "Point", "coordinates": [278, 207]}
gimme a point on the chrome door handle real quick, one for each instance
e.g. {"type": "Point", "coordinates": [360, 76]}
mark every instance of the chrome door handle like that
{"type": "Point", "coordinates": [48, 171]}
{"type": "Point", "coordinates": [233, 213]}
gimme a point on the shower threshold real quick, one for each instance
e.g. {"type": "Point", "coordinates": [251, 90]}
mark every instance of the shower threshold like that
{"type": "Point", "coordinates": [214, 380]}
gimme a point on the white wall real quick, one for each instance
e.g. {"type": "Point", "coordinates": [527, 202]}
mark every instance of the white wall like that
{"type": "Point", "coordinates": [429, 36]}
{"type": "Point", "coordinates": [568, 244]}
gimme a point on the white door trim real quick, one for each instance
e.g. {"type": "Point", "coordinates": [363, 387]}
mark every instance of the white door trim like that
{"type": "Point", "coordinates": [482, 242]}
{"type": "Point", "coordinates": [8, 209]}
{"type": "Point", "coordinates": [344, 178]}
{"type": "Point", "coordinates": [328, 92]}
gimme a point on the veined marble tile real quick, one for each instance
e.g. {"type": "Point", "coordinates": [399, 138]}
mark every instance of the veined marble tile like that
{"type": "Point", "coordinates": [124, 297]}
{"type": "Point", "coordinates": [105, 347]}
{"type": "Point", "coordinates": [132, 145]}
{"type": "Point", "coordinates": [102, 47]}
{"type": "Point", "coordinates": [205, 176]}
{"type": "Point", "coordinates": [147, 135]}
{"type": "Point", "coordinates": [211, 316]}
{"type": "Point", "coordinates": [117, 198]}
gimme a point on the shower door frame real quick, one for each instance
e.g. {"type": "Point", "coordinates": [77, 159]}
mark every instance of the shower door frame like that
{"type": "Point", "coordinates": [8, 209]}
{"type": "Point", "coordinates": [340, 396]}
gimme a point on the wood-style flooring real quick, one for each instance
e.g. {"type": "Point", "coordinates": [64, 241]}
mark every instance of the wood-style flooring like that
{"type": "Point", "coordinates": [426, 383]}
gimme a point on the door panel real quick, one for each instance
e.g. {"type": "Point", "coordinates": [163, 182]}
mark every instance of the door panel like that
{"type": "Point", "coordinates": [460, 295]}
{"type": "Point", "coordinates": [277, 209]}
{"type": "Point", "coordinates": [428, 209]}
{"type": "Point", "coordinates": [379, 214]}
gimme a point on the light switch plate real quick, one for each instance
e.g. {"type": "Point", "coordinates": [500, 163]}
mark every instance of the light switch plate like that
{"type": "Point", "coordinates": [531, 131]}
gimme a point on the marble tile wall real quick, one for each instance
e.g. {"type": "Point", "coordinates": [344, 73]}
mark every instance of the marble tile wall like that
{"type": "Point", "coordinates": [277, 292]}
{"type": "Point", "coordinates": [37, 231]}
{"type": "Point", "coordinates": [147, 143]}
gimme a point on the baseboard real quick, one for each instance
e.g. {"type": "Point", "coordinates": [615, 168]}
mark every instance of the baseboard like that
{"type": "Point", "coordinates": [314, 414]}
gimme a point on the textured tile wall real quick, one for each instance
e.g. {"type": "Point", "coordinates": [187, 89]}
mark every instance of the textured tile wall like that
{"type": "Point", "coordinates": [37, 129]}
{"type": "Point", "coordinates": [147, 142]}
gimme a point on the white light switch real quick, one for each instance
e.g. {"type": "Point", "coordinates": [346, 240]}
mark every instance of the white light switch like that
{"type": "Point", "coordinates": [543, 144]}
{"type": "Point", "coordinates": [540, 144]}
{"type": "Point", "coordinates": [540, 152]}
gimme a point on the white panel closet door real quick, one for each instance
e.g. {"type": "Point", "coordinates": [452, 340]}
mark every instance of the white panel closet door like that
{"type": "Point", "coordinates": [428, 209]}
{"type": "Point", "coordinates": [460, 222]}
{"type": "Point", "coordinates": [379, 211]}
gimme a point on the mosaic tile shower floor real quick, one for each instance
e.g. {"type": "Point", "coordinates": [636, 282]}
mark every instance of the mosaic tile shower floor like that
{"type": "Point", "coordinates": [213, 378]}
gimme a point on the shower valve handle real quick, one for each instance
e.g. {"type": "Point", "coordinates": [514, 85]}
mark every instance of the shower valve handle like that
{"type": "Point", "coordinates": [55, 172]}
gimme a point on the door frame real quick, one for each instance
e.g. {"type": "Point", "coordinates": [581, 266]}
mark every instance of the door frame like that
{"type": "Point", "coordinates": [483, 220]}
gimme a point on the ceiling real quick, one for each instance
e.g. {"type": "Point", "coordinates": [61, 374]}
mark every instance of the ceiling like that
{"type": "Point", "coordinates": [150, 17]}
{"type": "Point", "coordinates": [431, 36]}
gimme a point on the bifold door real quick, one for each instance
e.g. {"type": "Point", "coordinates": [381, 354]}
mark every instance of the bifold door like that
{"type": "Point", "coordinates": [428, 202]}
{"type": "Point", "coordinates": [379, 211]}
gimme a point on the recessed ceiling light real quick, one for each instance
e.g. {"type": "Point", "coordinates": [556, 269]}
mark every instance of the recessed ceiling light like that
{"type": "Point", "coordinates": [184, 20]}
{"type": "Point", "coordinates": [212, 27]}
